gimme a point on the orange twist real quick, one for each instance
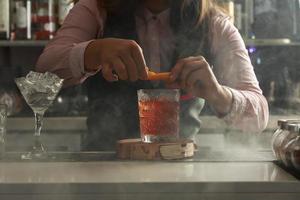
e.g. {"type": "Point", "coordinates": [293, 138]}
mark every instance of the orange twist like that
{"type": "Point", "coordinates": [163, 76]}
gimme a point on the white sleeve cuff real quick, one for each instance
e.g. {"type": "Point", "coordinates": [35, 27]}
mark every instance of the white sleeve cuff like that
{"type": "Point", "coordinates": [238, 107]}
{"type": "Point", "coordinates": [76, 60]}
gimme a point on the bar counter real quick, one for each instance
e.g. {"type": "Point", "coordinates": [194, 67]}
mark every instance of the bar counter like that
{"type": "Point", "coordinates": [116, 179]}
{"type": "Point", "coordinates": [228, 173]}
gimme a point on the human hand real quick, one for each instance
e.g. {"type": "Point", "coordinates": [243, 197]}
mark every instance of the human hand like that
{"type": "Point", "coordinates": [118, 58]}
{"type": "Point", "coordinates": [194, 75]}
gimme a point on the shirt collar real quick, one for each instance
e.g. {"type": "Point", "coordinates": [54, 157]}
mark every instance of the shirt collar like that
{"type": "Point", "coordinates": [145, 14]}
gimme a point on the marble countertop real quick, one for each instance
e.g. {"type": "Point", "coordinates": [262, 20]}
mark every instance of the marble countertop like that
{"type": "Point", "coordinates": [145, 180]}
{"type": "Point", "coordinates": [141, 172]}
{"type": "Point", "coordinates": [79, 123]}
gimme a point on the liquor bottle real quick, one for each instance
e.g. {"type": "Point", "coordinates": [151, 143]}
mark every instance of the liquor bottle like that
{"type": "Point", "coordinates": [238, 16]}
{"type": "Point", "coordinates": [296, 21]}
{"type": "Point", "coordinates": [4, 19]}
{"type": "Point", "coordinates": [248, 18]}
{"type": "Point", "coordinates": [243, 17]}
{"type": "Point", "coordinates": [22, 19]}
{"type": "Point", "coordinates": [9, 95]}
{"type": "Point", "coordinates": [64, 7]}
{"type": "Point", "coordinates": [44, 19]}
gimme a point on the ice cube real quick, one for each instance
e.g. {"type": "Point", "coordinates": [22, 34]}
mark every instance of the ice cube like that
{"type": "Point", "coordinates": [35, 83]}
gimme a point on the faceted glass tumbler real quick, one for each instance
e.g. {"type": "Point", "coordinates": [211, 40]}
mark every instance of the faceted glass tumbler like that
{"type": "Point", "coordinates": [159, 115]}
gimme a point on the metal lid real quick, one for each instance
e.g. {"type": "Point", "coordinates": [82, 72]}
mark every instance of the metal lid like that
{"type": "Point", "coordinates": [283, 123]}
{"type": "Point", "coordinates": [293, 127]}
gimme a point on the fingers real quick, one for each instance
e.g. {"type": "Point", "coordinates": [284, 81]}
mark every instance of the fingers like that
{"type": "Point", "coordinates": [120, 68]}
{"type": "Point", "coordinates": [108, 74]}
{"type": "Point", "coordinates": [139, 59]}
{"type": "Point", "coordinates": [125, 57]}
{"type": "Point", "coordinates": [194, 82]}
{"type": "Point", "coordinates": [176, 71]}
{"type": "Point", "coordinates": [188, 70]}
{"type": "Point", "coordinates": [130, 66]}
{"type": "Point", "coordinates": [185, 67]}
{"type": "Point", "coordinates": [193, 79]}
{"type": "Point", "coordinates": [128, 63]}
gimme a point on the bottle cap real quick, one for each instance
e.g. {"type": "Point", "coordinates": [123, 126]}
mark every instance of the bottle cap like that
{"type": "Point", "coordinates": [294, 127]}
{"type": "Point", "coordinates": [283, 123]}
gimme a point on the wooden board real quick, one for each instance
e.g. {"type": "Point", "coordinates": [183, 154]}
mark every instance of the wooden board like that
{"type": "Point", "coordinates": [135, 149]}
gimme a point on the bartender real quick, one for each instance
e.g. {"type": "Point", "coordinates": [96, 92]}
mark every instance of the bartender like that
{"type": "Point", "coordinates": [108, 45]}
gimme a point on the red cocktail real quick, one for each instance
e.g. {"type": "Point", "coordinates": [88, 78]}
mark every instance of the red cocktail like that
{"type": "Point", "coordinates": [159, 115]}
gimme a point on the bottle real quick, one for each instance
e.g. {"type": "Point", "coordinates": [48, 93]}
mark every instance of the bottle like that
{"type": "Point", "coordinates": [295, 152]}
{"type": "Point", "coordinates": [280, 134]}
{"type": "Point", "coordinates": [4, 19]}
{"type": "Point", "coordinates": [285, 151]}
{"type": "Point", "coordinates": [44, 19]}
{"type": "Point", "coordinates": [22, 19]}
{"type": "Point", "coordinates": [278, 131]}
{"type": "Point", "coordinates": [238, 17]}
{"type": "Point", "coordinates": [9, 94]}
{"type": "Point", "coordinates": [249, 19]}
{"type": "Point", "coordinates": [64, 7]}
{"type": "Point", "coordinates": [296, 21]}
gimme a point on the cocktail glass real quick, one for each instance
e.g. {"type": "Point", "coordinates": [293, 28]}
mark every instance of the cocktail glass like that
{"type": "Point", "coordinates": [39, 91]}
{"type": "Point", "coordinates": [159, 115]}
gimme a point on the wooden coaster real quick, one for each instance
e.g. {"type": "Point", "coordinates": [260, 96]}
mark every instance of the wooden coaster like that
{"type": "Point", "coordinates": [135, 149]}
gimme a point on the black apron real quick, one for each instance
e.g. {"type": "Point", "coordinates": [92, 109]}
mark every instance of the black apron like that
{"type": "Point", "coordinates": [113, 107]}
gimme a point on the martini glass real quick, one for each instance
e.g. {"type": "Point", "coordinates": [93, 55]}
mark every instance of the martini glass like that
{"type": "Point", "coordinates": [39, 91]}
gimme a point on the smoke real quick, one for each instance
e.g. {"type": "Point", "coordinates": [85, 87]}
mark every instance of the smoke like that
{"type": "Point", "coordinates": [218, 141]}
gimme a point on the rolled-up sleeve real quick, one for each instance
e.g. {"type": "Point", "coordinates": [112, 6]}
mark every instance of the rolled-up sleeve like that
{"type": "Point", "coordinates": [233, 69]}
{"type": "Point", "coordinates": [64, 55]}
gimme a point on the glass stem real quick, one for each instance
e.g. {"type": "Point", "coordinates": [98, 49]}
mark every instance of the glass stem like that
{"type": "Point", "coordinates": [38, 124]}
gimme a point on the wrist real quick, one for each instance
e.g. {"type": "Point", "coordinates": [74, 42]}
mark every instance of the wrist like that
{"type": "Point", "coordinates": [91, 60]}
{"type": "Point", "coordinates": [221, 100]}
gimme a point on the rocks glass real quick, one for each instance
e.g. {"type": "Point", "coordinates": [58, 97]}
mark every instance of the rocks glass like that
{"type": "Point", "coordinates": [159, 114]}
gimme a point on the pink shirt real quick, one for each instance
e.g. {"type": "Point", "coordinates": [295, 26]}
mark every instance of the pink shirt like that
{"type": "Point", "coordinates": [64, 55]}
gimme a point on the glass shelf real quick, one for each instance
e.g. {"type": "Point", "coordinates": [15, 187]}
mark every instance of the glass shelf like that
{"type": "Point", "coordinates": [248, 42]}
{"type": "Point", "coordinates": [271, 42]}
{"type": "Point", "coordinates": [23, 43]}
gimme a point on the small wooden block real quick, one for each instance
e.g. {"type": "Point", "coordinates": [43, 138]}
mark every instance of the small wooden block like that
{"type": "Point", "coordinates": [135, 149]}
